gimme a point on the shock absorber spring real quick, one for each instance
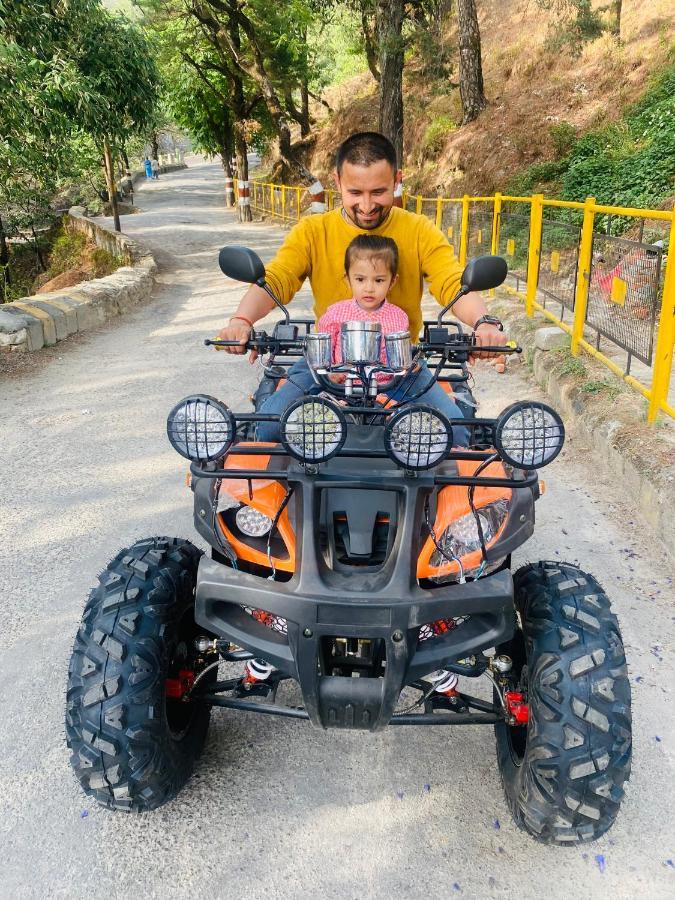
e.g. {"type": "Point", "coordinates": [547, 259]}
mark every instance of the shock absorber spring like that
{"type": "Point", "coordinates": [444, 682]}
{"type": "Point", "coordinates": [257, 670]}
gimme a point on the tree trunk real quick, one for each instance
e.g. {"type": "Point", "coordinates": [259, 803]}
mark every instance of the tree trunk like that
{"type": "Point", "coordinates": [42, 265]}
{"type": "Point", "coordinates": [304, 107]}
{"type": "Point", "coordinates": [470, 66]}
{"type": "Point", "coordinates": [370, 45]}
{"type": "Point", "coordinates": [125, 159]}
{"type": "Point", "coordinates": [226, 159]}
{"type": "Point", "coordinates": [241, 153]}
{"type": "Point", "coordinates": [154, 141]}
{"type": "Point", "coordinates": [616, 23]}
{"type": "Point", "coordinates": [389, 26]}
{"type": "Point", "coordinates": [4, 258]}
{"type": "Point", "coordinates": [110, 181]}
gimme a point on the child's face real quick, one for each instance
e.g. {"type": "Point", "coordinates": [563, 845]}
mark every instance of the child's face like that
{"type": "Point", "coordinates": [370, 281]}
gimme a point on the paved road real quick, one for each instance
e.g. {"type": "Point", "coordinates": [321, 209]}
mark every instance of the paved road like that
{"type": "Point", "coordinates": [276, 810]}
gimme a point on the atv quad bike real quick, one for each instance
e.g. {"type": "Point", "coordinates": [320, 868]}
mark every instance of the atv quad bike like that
{"type": "Point", "coordinates": [367, 558]}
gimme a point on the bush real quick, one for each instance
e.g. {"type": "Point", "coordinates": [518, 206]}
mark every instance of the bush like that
{"type": "Point", "coordinates": [437, 132]}
{"type": "Point", "coordinates": [103, 263]}
{"type": "Point", "coordinates": [564, 137]}
{"type": "Point", "coordinates": [66, 251]}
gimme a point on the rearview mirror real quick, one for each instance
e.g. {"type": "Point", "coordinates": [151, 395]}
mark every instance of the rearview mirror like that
{"type": "Point", "coordinates": [483, 273]}
{"type": "Point", "coordinates": [241, 264]}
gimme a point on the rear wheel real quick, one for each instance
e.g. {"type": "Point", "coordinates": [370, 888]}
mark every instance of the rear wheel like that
{"type": "Point", "coordinates": [563, 773]}
{"type": "Point", "coordinates": [134, 740]}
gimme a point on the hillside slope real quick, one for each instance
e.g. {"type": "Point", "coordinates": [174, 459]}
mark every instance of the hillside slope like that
{"type": "Point", "coordinates": [542, 96]}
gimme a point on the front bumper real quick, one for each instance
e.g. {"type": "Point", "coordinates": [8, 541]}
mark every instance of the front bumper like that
{"type": "Point", "coordinates": [388, 608]}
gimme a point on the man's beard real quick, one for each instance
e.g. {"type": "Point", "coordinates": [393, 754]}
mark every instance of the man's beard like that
{"type": "Point", "coordinates": [355, 218]}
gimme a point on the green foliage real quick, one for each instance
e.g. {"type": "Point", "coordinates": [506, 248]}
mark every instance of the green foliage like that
{"type": "Point", "coordinates": [70, 74]}
{"type": "Point", "coordinates": [576, 22]}
{"type": "Point", "coordinates": [630, 163]}
{"type": "Point", "coordinates": [66, 251]}
{"type": "Point", "coordinates": [103, 262]}
{"type": "Point", "coordinates": [607, 389]}
{"type": "Point", "coordinates": [537, 177]}
{"type": "Point", "coordinates": [563, 137]}
{"type": "Point", "coordinates": [570, 365]}
{"type": "Point", "coordinates": [437, 133]}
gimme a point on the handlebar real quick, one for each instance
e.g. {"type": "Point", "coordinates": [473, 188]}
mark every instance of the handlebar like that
{"type": "Point", "coordinates": [263, 342]}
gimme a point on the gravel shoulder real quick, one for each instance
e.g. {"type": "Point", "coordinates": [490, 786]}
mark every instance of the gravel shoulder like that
{"type": "Point", "coordinates": [276, 809]}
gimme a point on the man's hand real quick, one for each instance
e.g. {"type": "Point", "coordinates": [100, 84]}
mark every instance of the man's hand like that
{"type": "Point", "coordinates": [488, 335]}
{"type": "Point", "coordinates": [237, 330]}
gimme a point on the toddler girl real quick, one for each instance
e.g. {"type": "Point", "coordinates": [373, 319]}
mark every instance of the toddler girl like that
{"type": "Point", "coordinates": [371, 264]}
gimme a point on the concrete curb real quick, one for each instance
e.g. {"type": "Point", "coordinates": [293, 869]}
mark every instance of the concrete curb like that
{"type": "Point", "coordinates": [41, 320]}
{"type": "Point", "coordinates": [623, 444]}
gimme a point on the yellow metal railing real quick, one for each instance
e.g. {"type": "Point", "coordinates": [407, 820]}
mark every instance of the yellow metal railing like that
{"type": "Point", "coordinates": [476, 225]}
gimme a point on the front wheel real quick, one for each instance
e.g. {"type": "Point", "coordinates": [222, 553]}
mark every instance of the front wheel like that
{"type": "Point", "coordinates": [134, 738]}
{"type": "Point", "coordinates": [563, 773]}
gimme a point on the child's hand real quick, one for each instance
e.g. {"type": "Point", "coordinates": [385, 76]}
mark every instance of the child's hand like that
{"type": "Point", "coordinates": [337, 377]}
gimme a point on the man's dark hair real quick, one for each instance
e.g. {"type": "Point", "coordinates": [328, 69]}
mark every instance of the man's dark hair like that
{"type": "Point", "coordinates": [373, 246]}
{"type": "Point", "coordinates": [365, 148]}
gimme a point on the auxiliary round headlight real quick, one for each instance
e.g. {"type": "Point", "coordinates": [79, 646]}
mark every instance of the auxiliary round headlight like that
{"type": "Point", "coordinates": [529, 435]}
{"type": "Point", "coordinates": [200, 428]}
{"type": "Point", "coordinates": [313, 430]}
{"type": "Point", "coordinates": [252, 522]}
{"type": "Point", "coordinates": [417, 437]}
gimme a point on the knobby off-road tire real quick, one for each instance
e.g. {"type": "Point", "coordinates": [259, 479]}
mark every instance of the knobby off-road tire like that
{"type": "Point", "coordinates": [132, 748]}
{"type": "Point", "coordinates": [563, 773]}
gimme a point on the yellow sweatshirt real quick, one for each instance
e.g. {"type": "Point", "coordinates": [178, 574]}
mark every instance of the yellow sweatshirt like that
{"type": "Point", "coordinates": [315, 249]}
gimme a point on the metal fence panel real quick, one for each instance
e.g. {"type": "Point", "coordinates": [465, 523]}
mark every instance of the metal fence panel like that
{"type": "Point", "coordinates": [480, 229]}
{"type": "Point", "coordinates": [559, 261]}
{"type": "Point", "coordinates": [624, 293]}
{"type": "Point", "coordinates": [451, 223]}
{"type": "Point", "coordinates": [514, 239]}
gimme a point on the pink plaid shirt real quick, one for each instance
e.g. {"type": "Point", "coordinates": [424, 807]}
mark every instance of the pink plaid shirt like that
{"type": "Point", "coordinates": [390, 317]}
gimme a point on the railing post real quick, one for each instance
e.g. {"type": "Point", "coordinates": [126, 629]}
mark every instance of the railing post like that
{"type": "Point", "coordinates": [297, 203]}
{"type": "Point", "coordinates": [534, 253]}
{"type": "Point", "coordinates": [418, 205]}
{"type": "Point", "coordinates": [464, 232]}
{"type": "Point", "coordinates": [583, 274]}
{"type": "Point", "coordinates": [283, 201]}
{"type": "Point", "coordinates": [439, 212]}
{"type": "Point", "coordinates": [272, 199]}
{"type": "Point", "coordinates": [665, 340]}
{"type": "Point", "coordinates": [496, 214]}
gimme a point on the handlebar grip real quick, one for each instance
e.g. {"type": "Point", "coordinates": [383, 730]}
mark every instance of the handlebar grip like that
{"type": "Point", "coordinates": [217, 343]}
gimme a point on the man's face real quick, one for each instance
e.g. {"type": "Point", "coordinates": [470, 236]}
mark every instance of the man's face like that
{"type": "Point", "coordinates": [367, 192]}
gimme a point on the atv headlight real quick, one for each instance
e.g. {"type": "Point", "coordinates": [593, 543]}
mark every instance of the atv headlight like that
{"type": "Point", "coordinates": [252, 522]}
{"type": "Point", "coordinates": [417, 437]}
{"type": "Point", "coordinates": [529, 435]}
{"type": "Point", "coordinates": [461, 537]}
{"type": "Point", "coordinates": [200, 428]}
{"type": "Point", "coordinates": [313, 430]}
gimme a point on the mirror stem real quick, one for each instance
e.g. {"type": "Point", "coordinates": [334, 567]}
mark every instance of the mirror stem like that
{"type": "Point", "coordinates": [460, 293]}
{"type": "Point", "coordinates": [270, 293]}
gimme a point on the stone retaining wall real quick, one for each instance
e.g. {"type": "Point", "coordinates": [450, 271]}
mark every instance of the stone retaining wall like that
{"type": "Point", "coordinates": [41, 320]}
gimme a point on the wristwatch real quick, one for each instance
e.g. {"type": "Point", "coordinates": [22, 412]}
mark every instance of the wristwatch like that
{"type": "Point", "coordinates": [489, 320]}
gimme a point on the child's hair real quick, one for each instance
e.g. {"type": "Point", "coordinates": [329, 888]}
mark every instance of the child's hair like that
{"type": "Point", "coordinates": [372, 246]}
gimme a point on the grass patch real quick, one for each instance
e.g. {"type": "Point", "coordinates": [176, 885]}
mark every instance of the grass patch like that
{"type": "Point", "coordinates": [569, 365]}
{"type": "Point", "coordinates": [608, 389]}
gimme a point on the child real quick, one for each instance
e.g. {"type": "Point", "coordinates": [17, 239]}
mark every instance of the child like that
{"type": "Point", "coordinates": [371, 264]}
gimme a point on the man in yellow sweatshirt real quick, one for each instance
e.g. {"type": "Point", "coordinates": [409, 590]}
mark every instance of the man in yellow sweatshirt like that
{"type": "Point", "coordinates": [367, 177]}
